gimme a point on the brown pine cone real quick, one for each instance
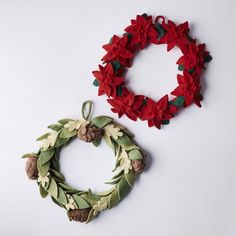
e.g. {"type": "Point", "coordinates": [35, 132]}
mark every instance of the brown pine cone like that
{"type": "Point", "coordinates": [31, 168]}
{"type": "Point", "coordinates": [79, 214]}
{"type": "Point", "coordinates": [138, 166]}
{"type": "Point", "coordinates": [89, 133]}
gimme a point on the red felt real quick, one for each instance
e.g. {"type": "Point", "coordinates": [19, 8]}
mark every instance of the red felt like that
{"type": "Point", "coordinates": [138, 35]}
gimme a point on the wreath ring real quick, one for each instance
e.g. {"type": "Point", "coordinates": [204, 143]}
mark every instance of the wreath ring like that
{"type": "Point", "coordinates": [44, 167]}
{"type": "Point", "coordinates": [118, 58]}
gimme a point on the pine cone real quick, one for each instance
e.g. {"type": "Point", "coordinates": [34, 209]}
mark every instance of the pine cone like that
{"type": "Point", "coordinates": [31, 168]}
{"type": "Point", "coordinates": [79, 214]}
{"type": "Point", "coordinates": [89, 133]}
{"type": "Point", "coordinates": [138, 166]}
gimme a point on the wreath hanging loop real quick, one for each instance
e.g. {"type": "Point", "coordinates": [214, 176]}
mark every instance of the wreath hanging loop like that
{"type": "Point", "coordinates": [120, 52]}
{"type": "Point", "coordinates": [44, 165]}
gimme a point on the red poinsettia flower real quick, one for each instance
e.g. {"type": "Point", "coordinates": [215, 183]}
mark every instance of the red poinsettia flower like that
{"type": "Point", "coordinates": [142, 30]}
{"type": "Point", "coordinates": [189, 87]}
{"type": "Point", "coordinates": [116, 50]}
{"type": "Point", "coordinates": [193, 57]}
{"type": "Point", "coordinates": [156, 112]}
{"type": "Point", "coordinates": [127, 104]}
{"type": "Point", "coordinates": [175, 35]}
{"type": "Point", "coordinates": [107, 79]}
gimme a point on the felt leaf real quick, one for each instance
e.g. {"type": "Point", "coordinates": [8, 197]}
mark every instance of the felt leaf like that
{"type": "Point", "coordinates": [46, 156]}
{"type": "Point", "coordinates": [101, 121]}
{"type": "Point", "coordinates": [91, 198]}
{"type": "Point", "coordinates": [42, 191]}
{"type": "Point", "coordinates": [80, 202]}
{"type": "Point", "coordinates": [179, 101]}
{"type": "Point", "coordinates": [180, 67]}
{"type": "Point", "coordinates": [58, 176]}
{"type": "Point", "coordinates": [55, 127]}
{"type": "Point", "coordinates": [56, 202]}
{"type": "Point", "coordinates": [135, 154]}
{"type": "Point", "coordinates": [43, 169]}
{"type": "Point", "coordinates": [130, 177]}
{"type": "Point", "coordinates": [165, 122]}
{"type": "Point", "coordinates": [160, 30]}
{"type": "Point", "coordinates": [53, 189]}
{"type": "Point", "coordinates": [91, 216]}
{"type": "Point", "coordinates": [62, 196]}
{"type": "Point", "coordinates": [114, 199]}
{"type": "Point", "coordinates": [119, 90]}
{"type": "Point", "coordinates": [60, 142]}
{"type": "Point", "coordinates": [97, 142]}
{"type": "Point", "coordinates": [65, 133]}
{"type": "Point", "coordinates": [109, 142]}
{"type": "Point", "coordinates": [112, 131]}
{"type": "Point", "coordinates": [64, 121]}
{"type": "Point", "coordinates": [114, 181]}
{"type": "Point", "coordinates": [106, 193]}
{"type": "Point", "coordinates": [44, 136]}
{"type": "Point", "coordinates": [96, 83]}
{"type": "Point", "coordinates": [29, 155]}
{"type": "Point", "coordinates": [207, 58]}
{"type": "Point", "coordinates": [123, 188]}
{"type": "Point", "coordinates": [116, 65]}
{"type": "Point", "coordinates": [124, 141]}
{"type": "Point", "coordinates": [68, 189]}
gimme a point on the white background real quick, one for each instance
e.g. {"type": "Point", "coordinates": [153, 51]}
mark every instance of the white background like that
{"type": "Point", "coordinates": [48, 50]}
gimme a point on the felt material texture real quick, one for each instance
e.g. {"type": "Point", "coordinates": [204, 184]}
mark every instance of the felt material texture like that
{"type": "Point", "coordinates": [120, 52]}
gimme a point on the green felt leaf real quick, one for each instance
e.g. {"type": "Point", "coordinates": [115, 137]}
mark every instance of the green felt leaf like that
{"type": "Point", "coordinates": [96, 83]}
{"type": "Point", "coordinates": [42, 191]}
{"type": "Point", "coordinates": [97, 142]}
{"type": "Point", "coordinates": [55, 127]}
{"type": "Point", "coordinates": [119, 90]}
{"type": "Point", "coordinates": [46, 156]}
{"type": "Point", "coordinates": [56, 202]}
{"type": "Point", "coordinates": [43, 169]}
{"type": "Point", "coordinates": [62, 196]}
{"type": "Point", "coordinates": [179, 101]}
{"type": "Point", "coordinates": [80, 201]}
{"type": "Point", "coordinates": [101, 121]}
{"type": "Point", "coordinates": [125, 142]}
{"type": "Point", "coordinates": [130, 177]}
{"type": "Point", "coordinates": [91, 216]}
{"type": "Point", "coordinates": [60, 142]}
{"type": "Point", "coordinates": [123, 188]}
{"type": "Point", "coordinates": [53, 189]}
{"type": "Point", "coordinates": [68, 189]}
{"type": "Point", "coordinates": [44, 136]}
{"type": "Point", "coordinates": [135, 154]}
{"type": "Point", "coordinates": [91, 198]}
{"type": "Point", "coordinates": [106, 193]}
{"type": "Point", "coordinates": [118, 174]}
{"type": "Point", "coordinates": [207, 58]}
{"type": "Point", "coordinates": [65, 133]}
{"type": "Point", "coordinates": [165, 122]}
{"type": "Point", "coordinates": [109, 142]}
{"type": "Point", "coordinates": [64, 121]}
{"type": "Point", "coordinates": [180, 67]}
{"type": "Point", "coordinates": [57, 175]}
{"type": "Point", "coordinates": [116, 65]}
{"type": "Point", "coordinates": [114, 181]}
{"type": "Point", "coordinates": [29, 155]}
{"type": "Point", "coordinates": [114, 199]}
{"type": "Point", "coordinates": [190, 71]}
{"type": "Point", "coordinates": [160, 30]}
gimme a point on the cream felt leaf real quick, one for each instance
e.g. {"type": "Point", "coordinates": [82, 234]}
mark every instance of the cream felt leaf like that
{"type": "Point", "coordinates": [71, 203]}
{"type": "Point", "coordinates": [101, 204]}
{"type": "Point", "coordinates": [43, 180]}
{"type": "Point", "coordinates": [75, 124]}
{"type": "Point", "coordinates": [49, 141]}
{"type": "Point", "coordinates": [112, 131]}
{"type": "Point", "coordinates": [125, 163]}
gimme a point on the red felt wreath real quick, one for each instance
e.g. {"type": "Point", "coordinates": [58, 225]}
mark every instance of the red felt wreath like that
{"type": "Point", "coordinates": [119, 54]}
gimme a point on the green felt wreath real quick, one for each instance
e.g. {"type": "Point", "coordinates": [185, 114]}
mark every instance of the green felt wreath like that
{"type": "Point", "coordinates": [44, 167]}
